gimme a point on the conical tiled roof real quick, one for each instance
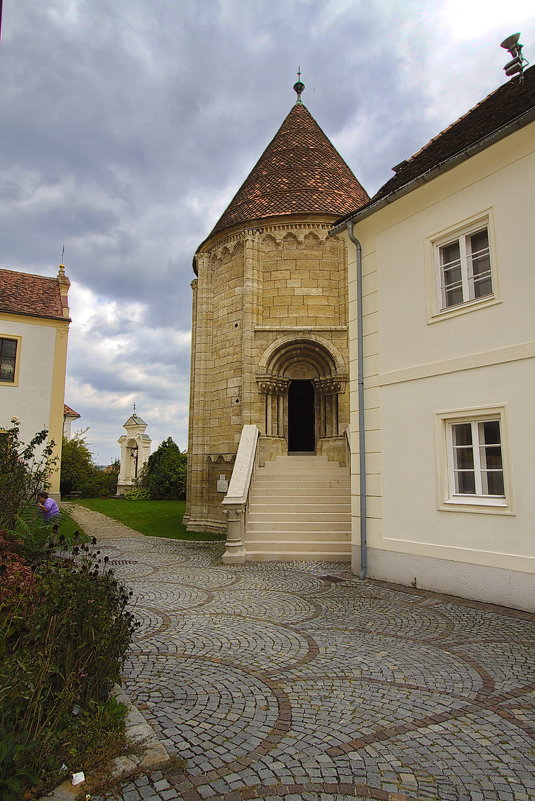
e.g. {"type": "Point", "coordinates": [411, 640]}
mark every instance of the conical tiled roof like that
{"type": "Point", "coordinates": [300, 172]}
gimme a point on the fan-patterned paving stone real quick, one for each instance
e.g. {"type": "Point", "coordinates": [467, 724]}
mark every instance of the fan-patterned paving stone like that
{"type": "Point", "coordinates": [512, 664]}
{"type": "Point", "coordinates": [206, 712]}
{"type": "Point", "coordinates": [469, 757]}
{"type": "Point", "coordinates": [151, 621]}
{"type": "Point", "coordinates": [327, 712]}
{"type": "Point", "coordinates": [275, 606]}
{"type": "Point", "coordinates": [215, 579]}
{"type": "Point", "coordinates": [297, 681]}
{"type": "Point", "coordinates": [340, 609]}
{"type": "Point", "coordinates": [231, 640]}
{"type": "Point", "coordinates": [473, 625]}
{"type": "Point", "coordinates": [281, 580]}
{"type": "Point", "coordinates": [167, 596]}
{"type": "Point", "coordinates": [381, 658]}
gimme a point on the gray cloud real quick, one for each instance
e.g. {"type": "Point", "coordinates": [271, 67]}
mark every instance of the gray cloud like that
{"type": "Point", "coordinates": [128, 126]}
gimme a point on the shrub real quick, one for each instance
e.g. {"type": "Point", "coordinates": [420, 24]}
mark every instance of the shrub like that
{"type": "Point", "coordinates": [164, 474]}
{"type": "Point", "coordinates": [59, 657]}
{"type": "Point", "coordinates": [138, 495]}
{"type": "Point", "coordinates": [24, 471]}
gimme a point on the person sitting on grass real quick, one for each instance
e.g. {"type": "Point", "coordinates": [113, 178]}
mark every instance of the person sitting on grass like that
{"type": "Point", "coordinates": [48, 508]}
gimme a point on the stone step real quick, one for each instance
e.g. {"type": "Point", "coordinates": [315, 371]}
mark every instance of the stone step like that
{"type": "Point", "coordinates": [294, 506]}
{"type": "Point", "coordinates": [301, 481]}
{"type": "Point", "coordinates": [297, 525]}
{"type": "Point", "coordinates": [280, 537]}
{"type": "Point", "coordinates": [300, 545]}
{"type": "Point", "coordinates": [294, 516]}
{"type": "Point", "coordinates": [275, 496]}
{"type": "Point", "coordinates": [297, 556]}
{"type": "Point", "coordinates": [301, 470]}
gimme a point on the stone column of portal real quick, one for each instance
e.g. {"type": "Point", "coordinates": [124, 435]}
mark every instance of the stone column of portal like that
{"type": "Point", "coordinates": [250, 294]}
{"type": "Point", "coordinates": [197, 464]}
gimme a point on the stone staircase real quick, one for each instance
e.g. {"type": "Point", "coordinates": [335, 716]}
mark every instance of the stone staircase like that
{"type": "Point", "coordinates": [299, 509]}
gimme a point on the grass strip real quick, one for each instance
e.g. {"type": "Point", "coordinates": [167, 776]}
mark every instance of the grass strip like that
{"type": "Point", "coordinates": [153, 518]}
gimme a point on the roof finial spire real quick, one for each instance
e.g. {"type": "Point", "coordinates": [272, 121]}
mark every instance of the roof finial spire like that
{"type": "Point", "coordinates": [134, 407]}
{"type": "Point", "coordinates": [299, 86]}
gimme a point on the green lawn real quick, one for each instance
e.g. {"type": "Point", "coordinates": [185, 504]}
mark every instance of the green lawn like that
{"type": "Point", "coordinates": [67, 526]}
{"type": "Point", "coordinates": [155, 518]}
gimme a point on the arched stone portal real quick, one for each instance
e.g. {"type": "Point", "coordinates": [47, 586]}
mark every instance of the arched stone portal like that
{"type": "Point", "coordinates": [301, 375]}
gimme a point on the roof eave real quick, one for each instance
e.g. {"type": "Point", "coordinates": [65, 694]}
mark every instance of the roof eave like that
{"type": "Point", "coordinates": [500, 133]}
{"type": "Point", "coordinates": [34, 314]}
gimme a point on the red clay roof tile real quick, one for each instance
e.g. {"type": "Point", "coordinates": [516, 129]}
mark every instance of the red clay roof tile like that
{"type": "Point", "coordinates": [300, 172]}
{"type": "Point", "coordinates": [35, 295]}
{"type": "Point", "coordinates": [507, 103]}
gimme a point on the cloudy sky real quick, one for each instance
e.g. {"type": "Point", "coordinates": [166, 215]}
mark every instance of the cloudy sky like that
{"type": "Point", "coordinates": [126, 126]}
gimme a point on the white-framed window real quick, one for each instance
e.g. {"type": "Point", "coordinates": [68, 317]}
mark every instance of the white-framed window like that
{"type": "Point", "coordinates": [464, 270]}
{"type": "Point", "coordinates": [8, 360]}
{"type": "Point", "coordinates": [474, 460]}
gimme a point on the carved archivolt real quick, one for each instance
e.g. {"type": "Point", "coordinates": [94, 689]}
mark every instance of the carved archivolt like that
{"type": "Point", "coordinates": [321, 357]}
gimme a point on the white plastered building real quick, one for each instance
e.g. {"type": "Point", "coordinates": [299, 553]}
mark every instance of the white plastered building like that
{"type": "Point", "coordinates": [445, 397]}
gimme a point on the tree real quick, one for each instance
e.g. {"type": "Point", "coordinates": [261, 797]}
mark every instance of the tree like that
{"type": "Point", "coordinates": [80, 474]}
{"type": "Point", "coordinates": [164, 473]}
{"type": "Point", "coordinates": [77, 465]}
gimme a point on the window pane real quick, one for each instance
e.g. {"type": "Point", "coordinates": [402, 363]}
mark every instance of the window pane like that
{"type": "Point", "coordinates": [8, 347]}
{"type": "Point", "coordinates": [7, 370]}
{"type": "Point", "coordinates": [454, 297]}
{"type": "Point", "coordinates": [479, 241]}
{"type": "Point", "coordinates": [450, 253]}
{"type": "Point", "coordinates": [462, 434]}
{"type": "Point", "coordinates": [494, 483]}
{"type": "Point", "coordinates": [491, 458]}
{"type": "Point", "coordinates": [464, 458]}
{"type": "Point", "coordinates": [465, 483]}
{"type": "Point", "coordinates": [490, 432]}
{"type": "Point", "coordinates": [482, 287]}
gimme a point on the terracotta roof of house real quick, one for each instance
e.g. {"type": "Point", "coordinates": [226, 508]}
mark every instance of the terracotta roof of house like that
{"type": "Point", "coordinates": [35, 295]}
{"type": "Point", "coordinates": [300, 172]}
{"type": "Point", "coordinates": [68, 412]}
{"type": "Point", "coordinates": [502, 107]}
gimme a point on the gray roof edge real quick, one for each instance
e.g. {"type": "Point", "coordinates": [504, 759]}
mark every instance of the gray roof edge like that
{"type": "Point", "coordinates": [500, 133]}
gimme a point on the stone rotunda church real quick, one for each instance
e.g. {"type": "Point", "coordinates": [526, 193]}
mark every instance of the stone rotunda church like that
{"type": "Point", "coordinates": [270, 355]}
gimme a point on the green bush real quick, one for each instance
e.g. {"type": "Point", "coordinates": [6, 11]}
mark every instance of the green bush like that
{"type": "Point", "coordinates": [138, 495]}
{"type": "Point", "coordinates": [24, 471]}
{"type": "Point", "coordinates": [164, 474]}
{"type": "Point", "coordinates": [62, 646]}
{"type": "Point", "coordinates": [79, 473]}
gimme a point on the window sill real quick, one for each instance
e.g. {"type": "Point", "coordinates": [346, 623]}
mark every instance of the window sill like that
{"type": "Point", "coordinates": [463, 308]}
{"type": "Point", "coordinates": [479, 505]}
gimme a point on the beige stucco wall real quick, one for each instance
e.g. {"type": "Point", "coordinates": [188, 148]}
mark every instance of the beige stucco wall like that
{"type": "Point", "coordinates": [419, 363]}
{"type": "Point", "coordinates": [37, 398]}
{"type": "Point", "coordinates": [259, 288]}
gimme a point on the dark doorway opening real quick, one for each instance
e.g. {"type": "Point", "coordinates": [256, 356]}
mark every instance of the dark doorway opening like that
{"type": "Point", "coordinates": [301, 434]}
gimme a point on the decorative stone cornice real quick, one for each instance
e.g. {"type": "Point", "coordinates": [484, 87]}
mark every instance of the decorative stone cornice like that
{"type": "Point", "coordinates": [219, 458]}
{"type": "Point", "coordinates": [330, 385]}
{"type": "Point", "coordinates": [272, 385]}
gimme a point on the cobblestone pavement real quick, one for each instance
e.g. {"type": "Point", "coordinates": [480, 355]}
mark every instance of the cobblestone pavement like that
{"type": "Point", "coordinates": [288, 681]}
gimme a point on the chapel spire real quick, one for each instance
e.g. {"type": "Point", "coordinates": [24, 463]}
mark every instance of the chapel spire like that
{"type": "Point", "coordinates": [299, 86]}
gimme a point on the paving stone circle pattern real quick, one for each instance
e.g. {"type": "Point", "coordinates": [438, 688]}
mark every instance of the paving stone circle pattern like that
{"type": "Point", "coordinates": [287, 681]}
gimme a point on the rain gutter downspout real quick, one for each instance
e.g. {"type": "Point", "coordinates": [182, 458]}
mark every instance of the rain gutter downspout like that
{"type": "Point", "coordinates": [360, 385]}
